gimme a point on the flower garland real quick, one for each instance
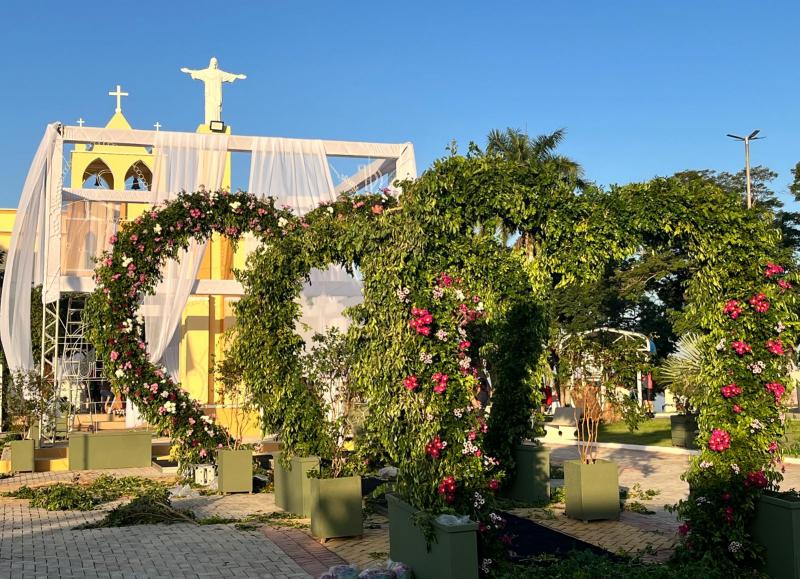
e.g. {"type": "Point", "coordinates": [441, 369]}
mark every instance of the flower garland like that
{"type": "Point", "coordinates": [131, 268]}
{"type": "Point", "coordinates": [741, 419]}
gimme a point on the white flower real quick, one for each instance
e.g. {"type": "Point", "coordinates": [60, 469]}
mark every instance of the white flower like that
{"type": "Point", "coordinates": [721, 345]}
{"type": "Point", "coordinates": [757, 367]}
{"type": "Point", "coordinates": [330, 210]}
{"type": "Point", "coordinates": [706, 464]}
{"type": "Point", "coordinates": [402, 294]}
{"type": "Point", "coordinates": [164, 394]}
{"type": "Point", "coordinates": [479, 307]}
{"type": "Point", "coordinates": [701, 500]}
{"type": "Point", "coordinates": [755, 424]}
{"type": "Point", "coordinates": [735, 468]}
{"type": "Point", "coordinates": [126, 261]}
{"type": "Point", "coordinates": [207, 419]}
{"type": "Point", "coordinates": [282, 222]}
{"type": "Point", "coordinates": [734, 546]}
{"type": "Point", "coordinates": [119, 373]}
{"type": "Point", "coordinates": [460, 295]}
{"type": "Point", "coordinates": [779, 327]}
{"type": "Point", "coordinates": [438, 293]}
{"type": "Point", "coordinates": [169, 407]}
{"type": "Point", "coordinates": [425, 358]}
{"type": "Point", "coordinates": [465, 362]}
{"type": "Point", "coordinates": [157, 229]}
{"type": "Point", "coordinates": [235, 205]}
{"type": "Point", "coordinates": [442, 335]}
{"type": "Point", "coordinates": [458, 413]}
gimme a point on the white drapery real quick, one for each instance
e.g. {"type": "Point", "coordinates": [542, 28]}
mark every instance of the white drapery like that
{"type": "Point", "coordinates": [295, 172]}
{"type": "Point", "coordinates": [25, 259]}
{"type": "Point", "coordinates": [183, 161]}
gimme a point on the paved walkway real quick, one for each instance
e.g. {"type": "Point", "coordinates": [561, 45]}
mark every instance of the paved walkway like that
{"type": "Point", "coordinates": [38, 543]}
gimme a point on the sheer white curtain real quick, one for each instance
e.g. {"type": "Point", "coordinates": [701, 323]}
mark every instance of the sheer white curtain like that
{"type": "Point", "coordinates": [183, 161]}
{"type": "Point", "coordinates": [25, 259]}
{"type": "Point", "coordinates": [295, 172]}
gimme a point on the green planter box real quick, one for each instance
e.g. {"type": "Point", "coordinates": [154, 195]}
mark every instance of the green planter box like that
{"type": "Point", "coordinates": [235, 471]}
{"type": "Point", "coordinates": [336, 507]}
{"type": "Point", "coordinates": [531, 482]}
{"type": "Point", "coordinates": [292, 486]}
{"type": "Point", "coordinates": [124, 449]}
{"type": "Point", "coordinates": [454, 554]}
{"type": "Point", "coordinates": [684, 430]}
{"type": "Point", "coordinates": [22, 459]}
{"type": "Point", "coordinates": [591, 491]}
{"type": "Point", "coordinates": [777, 527]}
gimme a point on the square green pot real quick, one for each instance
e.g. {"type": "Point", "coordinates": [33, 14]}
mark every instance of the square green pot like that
{"type": "Point", "coordinates": [591, 491]}
{"type": "Point", "coordinates": [22, 459]}
{"type": "Point", "coordinates": [235, 471]}
{"type": "Point", "coordinates": [531, 482]}
{"type": "Point", "coordinates": [684, 430]}
{"type": "Point", "coordinates": [292, 486]}
{"type": "Point", "coordinates": [777, 527]}
{"type": "Point", "coordinates": [336, 507]}
{"type": "Point", "coordinates": [454, 554]}
{"type": "Point", "coordinates": [122, 449]}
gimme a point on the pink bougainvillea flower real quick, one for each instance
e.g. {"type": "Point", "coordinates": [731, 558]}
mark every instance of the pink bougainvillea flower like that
{"type": "Point", "coordinates": [720, 440]}
{"type": "Point", "coordinates": [114, 355]}
{"type": "Point", "coordinates": [759, 303]}
{"type": "Point", "coordinates": [464, 345]}
{"type": "Point", "coordinates": [772, 270]}
{"type": "Point", "coordinates": [435, 447]}
{"type": "Point", "coordinates": [440, 381]}
{"type": "Point", "coordinates": [494, 484]}
{"type": "Point", "coordinates": [377, 209]}
{"type": "Point", "coordinates": [773, 446]}
{"type": "Point", "coordinates": [775, 346]}
{"type": "Point", "coordinates": [777, 389]}
{"type": "Point", "coordinates": [741, 347]}
{"type": "Point", "coordinates": [445, 280]}
{"type": "Point", "coordinates": [731, 390]}
{"type": "Point", "coordinates": [683, 529]}
{"type": "Point", "coordinates": [411, 382]}
{"type": "Point", "coordinates": [737, 409]}
{"type": "Point", "coordinates": [732, 309]}
{"type": "Point", "coordinates": [784, 285]}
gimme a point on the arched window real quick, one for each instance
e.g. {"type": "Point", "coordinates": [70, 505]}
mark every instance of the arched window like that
{"type": "Point", "coordinates": [138, 177]}
{"type": "Point", "coordinates": [98, 176]}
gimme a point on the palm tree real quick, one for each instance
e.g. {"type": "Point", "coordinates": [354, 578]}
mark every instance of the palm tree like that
{"type": "Point", "coordinates": [516, 145]}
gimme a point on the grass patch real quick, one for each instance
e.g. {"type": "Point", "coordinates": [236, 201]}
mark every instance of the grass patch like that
{"type": "Point", "coordinates": [653, 432]}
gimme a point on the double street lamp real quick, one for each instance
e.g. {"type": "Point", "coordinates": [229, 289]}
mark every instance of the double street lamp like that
{"type": "Point", "coordinates": [751, 137]}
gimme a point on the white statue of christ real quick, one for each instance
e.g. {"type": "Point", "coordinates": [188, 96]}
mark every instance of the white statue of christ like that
{"type": "Point", "coordinates": [213, 78]}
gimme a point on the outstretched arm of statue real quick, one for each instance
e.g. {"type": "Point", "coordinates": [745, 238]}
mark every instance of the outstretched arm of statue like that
{"type": "Point", "coordinates": [230, 77]}
{"type": "Point", "coordinates": [188, 70]}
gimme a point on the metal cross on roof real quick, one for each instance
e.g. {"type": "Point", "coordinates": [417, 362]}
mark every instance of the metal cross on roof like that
{"type": "Point", "coordinates": [119, 94]}
{"type": "Point", "coordinates": [80, 122]}
{"type": "Point", "coordinates": [157, 126]}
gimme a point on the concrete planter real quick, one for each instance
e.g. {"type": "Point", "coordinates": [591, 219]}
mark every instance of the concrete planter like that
{"type": "Point", "coordinates": [777, 527]}
{"type": "Point", "coordinates": [123, 449]}
{"type": "Point", "coordinates": [531, 482]}
{"type": "Point", "coordinates": [591, 491]}
{"type": "Point", "coordinates": [22, 459]}
{"type": "Point", "coordinates": [336, 507]}
{"type": "Point", "coordinates": [684, 430]}
{"type": "Point", "coordinates": [454, 554]}
{"type": "Point", "coordinates": [235, 471]}
{"type": "Point", "coordinates": [292, 486]}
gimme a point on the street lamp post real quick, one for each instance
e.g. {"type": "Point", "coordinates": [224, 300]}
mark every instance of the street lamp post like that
{"type": "Point", "coordinates": [751, 137]}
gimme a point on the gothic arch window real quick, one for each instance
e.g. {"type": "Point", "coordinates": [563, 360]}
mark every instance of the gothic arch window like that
{"type": "Point", "coordinates": [138, 177]}
{"type": "Point", "coordinates": [98, 176]}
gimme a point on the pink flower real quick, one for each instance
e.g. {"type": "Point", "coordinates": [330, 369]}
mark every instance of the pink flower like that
{"type": "Point", "coordinates": [773, 270]}
{"type": "Point", "coordinates": [411, 382]}
{"type": "Point", "coordinates": [683, 529]}
{"type": "Point", "coordinates": [775, 346]}
{"type": "Point", "coordinates": [195, 213]}
{"type": "Point", "coordinates": [737, 409]}
{"type": "Point", "coordinates": [435, 447]}
{"type": "Point", "coordinates": [445, 280]}
{"type": "Point", "coordinates": [203, 452]}
{"type": "Point", "coordinates": [732, 308]}
{"type": "Point", "coordinates": [113, 239]}
{"type": "Point", "coordinates": [464, 345]}
{"type": "Point", "coordinates": [784, 285]}
{"type": "Point", "coordinates": [377, 209]}
{"type": "Point", "coordinates": [731, 390]}
{"type": "Point", "coordinates": [114, 355]}
{"type": "Point", "coordinates": [719, 441]}
{"type": "Point", "coordinates": [760, 303]}
{"type": "Point", "coordinates": [440, 381]}
{"type": "Point", "coordinates": [757, 479]}
{"type": "Point", "coordinates": [777, 390]}
{"type": "Point", "coordinates": [741, 347]}
{"type": "Point", "coordinates": [192, 421]}
{"type": "Point", "coordinates": [773, 446]}
{"type": "Point", "coordinates": [494, 484]}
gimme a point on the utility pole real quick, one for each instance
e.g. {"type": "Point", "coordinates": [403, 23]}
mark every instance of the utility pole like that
{"type": "Point", "coordinates": [751, 137]}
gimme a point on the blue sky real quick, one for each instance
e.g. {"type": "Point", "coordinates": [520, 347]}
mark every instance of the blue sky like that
{"type": "Point", "coordinates": [643, 88]}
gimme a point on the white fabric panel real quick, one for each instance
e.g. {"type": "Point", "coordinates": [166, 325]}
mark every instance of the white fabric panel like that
{"type": "Point", "coordinates": [296, 173]}
{"type": "Point", "coordinates": [86, 227]}
{"type": "Point", "coordinates": [183, 161]}
{"type": "Point", "coordinates": [25, 259]}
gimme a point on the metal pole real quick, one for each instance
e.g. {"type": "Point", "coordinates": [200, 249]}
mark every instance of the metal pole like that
{"type": "Point", "coordinates": [747, 171]}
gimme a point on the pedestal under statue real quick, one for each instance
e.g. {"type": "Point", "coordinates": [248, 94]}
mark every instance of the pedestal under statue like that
{"type": "Point", "coordinates": [213, 78]}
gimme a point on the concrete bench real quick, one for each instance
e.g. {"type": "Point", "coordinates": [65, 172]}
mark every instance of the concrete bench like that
{"type": "Point", "coordinates": [562, 428]}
